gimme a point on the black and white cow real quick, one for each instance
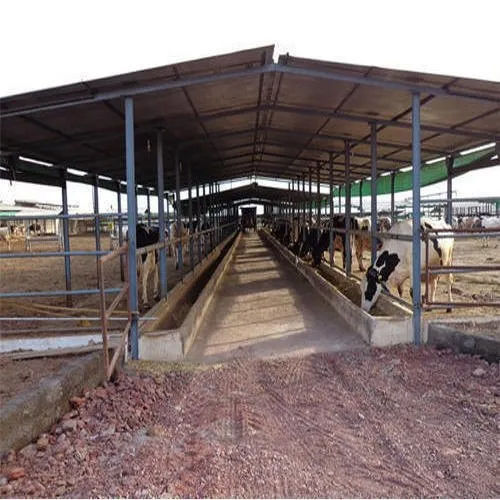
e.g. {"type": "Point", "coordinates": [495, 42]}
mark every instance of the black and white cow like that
{"type": "Point", "coordinates": [394, 262]}
{"type": "Point", "coordinates": [35, 229]}
{"type": "Point", "coordinates": [147, 263]}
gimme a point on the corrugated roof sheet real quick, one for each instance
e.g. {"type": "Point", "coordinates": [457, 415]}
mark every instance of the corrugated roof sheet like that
{"type": "Point", "coordinates": [240, 114]}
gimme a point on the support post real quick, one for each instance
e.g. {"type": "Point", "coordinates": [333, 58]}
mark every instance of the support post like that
{"type": "Point", "coordinates": [347, 241]}
{"type": "Point", "coordinates": [162, 255]}
{"type": "Point", "coordinates": [97, 219]}
{"type": "Point", "coordinates": [393, 182]}
{"type": "Point", "coordinates": [120, 229]}
{"type": "Point", "coordinates": [330, 198]}
{"type": "Point", "coordinates": [361, 198]}
{"type": "Point", "coordinates": [132, 224]}
{"type": "Point", "coordinates": [178, 206]}
{"type": "Point", "coordinates": [373, 191]}
{"type": "Point", "coordinates": [449, 192]}
{"type": "Point", "coordinates": [318, 199]}
{"type": "Point", "coordinates": [416, 217]}
{"type": "Point", "coordinates": [304, 207]}
{"type": "Point", "coordinates": [148, 201]}
{"type": "Point", "coordinates": [198, 216]}
{"type": "Point", "coordinates": [310, 196]}
{"type": "Point", "coordinates": [190, 212]}
{"type": "Point", "coordinates": [65, 231]}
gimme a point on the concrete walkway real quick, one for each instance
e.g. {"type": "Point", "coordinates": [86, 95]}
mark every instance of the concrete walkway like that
{"type": "Point", "coordinates": [264, 309]}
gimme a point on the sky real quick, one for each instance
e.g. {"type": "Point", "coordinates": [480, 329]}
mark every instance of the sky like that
{"type": "Point", "coordinates": [53, 43]}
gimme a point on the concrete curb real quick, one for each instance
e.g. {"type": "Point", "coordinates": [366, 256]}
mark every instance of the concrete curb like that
{"type": "Point", "coordinates": [25, 417]}
{"type": "Point", "coordinates": [444, 337]}
{"type": "Point", "coordinates": [172, 345]}
{"type": "Point", "coordinates": [378, 331]}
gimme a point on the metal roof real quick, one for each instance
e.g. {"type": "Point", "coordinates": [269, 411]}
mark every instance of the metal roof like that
{"type": "Point", "coordinates": [241, 114]}
{"type": "Point", "coordinates": [256, 193]}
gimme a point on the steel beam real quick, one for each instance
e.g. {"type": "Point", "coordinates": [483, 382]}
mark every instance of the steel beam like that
{"type": "Point", "coordinates": [373, 192]}
{"type": "Point", "coordinates": [65, 231]}
{"type": "Point", "coordinates": [258, 70]}
{"type": "Point", "coordinates": [162, 254]}
{"type": "Point", "coordinates": [132, 224]}
{"type": "Point", "coordinates": [416, 269]}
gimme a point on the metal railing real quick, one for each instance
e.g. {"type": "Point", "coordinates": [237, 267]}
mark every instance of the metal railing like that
{"type": "Point", "coordinates": [106, 312]}
{"type": "Point", "coordinates": [455, 269]}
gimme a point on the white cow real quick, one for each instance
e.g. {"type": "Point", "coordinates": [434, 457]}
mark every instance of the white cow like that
{"type": "Point", "coordinates": [394, 262]}
{"type": "Point", "coordinates": [174, 236]}
{"type": "Point", "coordinates": [5, 236]}
{"type": "Point", "coordinates": [489, 223]}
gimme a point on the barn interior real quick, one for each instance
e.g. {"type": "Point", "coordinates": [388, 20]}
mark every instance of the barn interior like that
{"type": "Point", "coordinates": [195, 125]}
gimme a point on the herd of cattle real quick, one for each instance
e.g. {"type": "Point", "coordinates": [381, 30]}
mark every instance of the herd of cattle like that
{"type": "Point", "coordinates": [13, 231]}
{"type": "Point", "coordinates": [393, 264]}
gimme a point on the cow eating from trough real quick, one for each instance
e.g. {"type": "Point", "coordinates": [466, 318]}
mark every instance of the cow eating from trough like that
{"type": "Point", "coordinates": [393, 265]}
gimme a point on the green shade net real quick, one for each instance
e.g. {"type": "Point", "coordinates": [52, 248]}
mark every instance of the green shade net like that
{"type": "Point", "coordinates": [429, 174]}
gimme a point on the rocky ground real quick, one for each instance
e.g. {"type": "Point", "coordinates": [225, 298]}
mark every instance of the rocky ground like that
{"type": "Point", "coordinates": [402, 422]}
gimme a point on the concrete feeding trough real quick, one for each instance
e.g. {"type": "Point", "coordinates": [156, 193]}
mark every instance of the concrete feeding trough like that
{"type": "Point", "coordinates": [178, 319]}
{"type": "Point", "coordinates": [390, 323]}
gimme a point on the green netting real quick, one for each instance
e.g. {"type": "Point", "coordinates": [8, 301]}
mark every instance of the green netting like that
{"type": "Point", "coordinates": [429, 174]}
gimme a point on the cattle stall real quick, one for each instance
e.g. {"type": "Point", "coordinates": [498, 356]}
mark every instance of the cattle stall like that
{"type": "Point", "coordinates": [190, 128]}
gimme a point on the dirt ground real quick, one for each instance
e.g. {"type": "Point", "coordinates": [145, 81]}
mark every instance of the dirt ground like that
{"type": "Point", "coordinates": [21, 375]}
{"type": "Point", "coordinates": [401, 422]}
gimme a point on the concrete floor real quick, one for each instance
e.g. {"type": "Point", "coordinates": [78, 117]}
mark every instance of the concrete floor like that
{"type": "Point", "coordinates": [264, 309]}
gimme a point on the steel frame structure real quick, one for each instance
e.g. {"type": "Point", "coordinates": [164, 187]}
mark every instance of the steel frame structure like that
{"type": "Point", "coordinates": [237, 164]}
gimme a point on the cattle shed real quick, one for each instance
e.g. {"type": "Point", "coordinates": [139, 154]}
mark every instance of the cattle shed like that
{"type": "Point", "coordinates": [252, 114]}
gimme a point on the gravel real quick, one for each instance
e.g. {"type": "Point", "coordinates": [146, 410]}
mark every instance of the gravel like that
{"type": "Point", "coordinates": [400, 422]}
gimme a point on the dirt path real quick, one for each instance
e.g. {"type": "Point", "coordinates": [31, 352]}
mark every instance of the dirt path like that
{"type": "Point", "coordinates": [264, 309]}
{"type": "Point", "coordinates": [402, 422]}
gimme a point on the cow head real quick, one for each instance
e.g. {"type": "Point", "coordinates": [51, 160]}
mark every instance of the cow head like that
{"type": "Point", "coordinates": [376, 277]}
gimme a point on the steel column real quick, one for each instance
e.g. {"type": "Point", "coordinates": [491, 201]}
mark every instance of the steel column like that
{"type": "Point", "coordinates": [330, 198]}
{"type": "Point", "coordinates": [148, 201]}
{"type": "Point", "coordinates": [178, 206]}
{"type": "Point", "coordinates": [304, 207]}
{"type": "Point", "coordinates": [340, 199]}
{"type": "Point", "coordinates": [198, 216]}
{"type": "Point", "coordinates": [415, 115]}
{"type": "Point", "coordinates": [310, 196]}
{"type": "Point", "coordinates": [190, 212]}
{"type": "Point", "coordinates": [393, 182]}
{"type": "Point", "coordinates": [318, 199]}
{"type": "Point", "coordinates": [361, 197]}
{"type": "Point", "coordinates": [65, 230]}
{"type": "Point", "coordinates": [120, 228]}
{"type": "Point", "coordinates": [373, 192]}
{"type": "Point", "coordinates": [162, 255]}
{"type": "Point", "coordinates": [97, 219]}
{"type": "Point", "coordinates": [347, 241]}
{"type": "Point", "coordinates": [132, 224]}
{"type": "Point", "coordinates": [449, 192]}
